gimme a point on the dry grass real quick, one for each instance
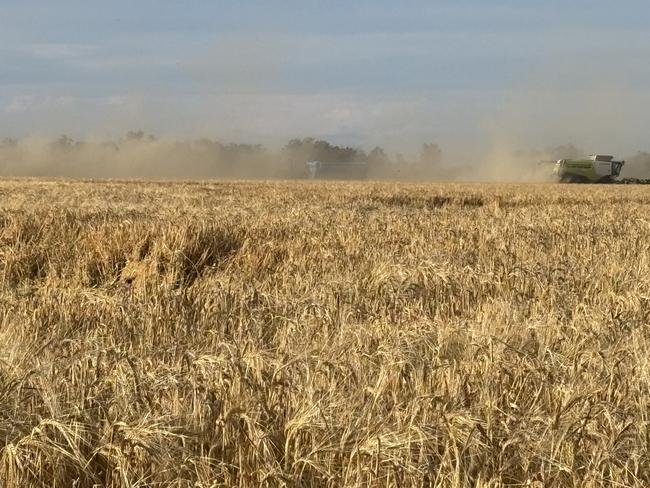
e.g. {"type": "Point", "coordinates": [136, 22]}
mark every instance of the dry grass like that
{"type": "Point", "coordinates": [306, 334]}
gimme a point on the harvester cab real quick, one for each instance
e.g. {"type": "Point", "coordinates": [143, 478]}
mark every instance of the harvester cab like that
{"type": "Point", "coordinates": [597, 168]}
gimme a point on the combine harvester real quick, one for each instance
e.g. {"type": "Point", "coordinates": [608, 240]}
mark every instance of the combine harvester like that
{"type": "Point", "coordinates": [597, 168]}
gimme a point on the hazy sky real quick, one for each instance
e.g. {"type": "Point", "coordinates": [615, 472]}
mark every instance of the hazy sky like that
{"type": "Point", "coordinates": [465, 73]}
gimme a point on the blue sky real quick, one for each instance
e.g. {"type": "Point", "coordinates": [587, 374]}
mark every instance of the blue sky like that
{"type": "Point", "coordinates": [471, 75]}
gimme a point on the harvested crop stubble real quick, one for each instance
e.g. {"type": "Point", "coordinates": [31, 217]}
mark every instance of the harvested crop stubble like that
{"type": "Point", "coordinates": [323, 334]}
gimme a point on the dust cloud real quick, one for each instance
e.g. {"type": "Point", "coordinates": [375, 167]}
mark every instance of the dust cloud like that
{"type": "Point", "coordinates": [136, 156]}
{"type": "Point", "coordinates": [146, 157]}
{"type": "Point", "coordinates": [558, 111]}
{"type": "Point", "coordinates": [566, 107]}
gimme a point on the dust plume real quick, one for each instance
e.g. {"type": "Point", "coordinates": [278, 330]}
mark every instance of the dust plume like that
{"type": "Point", "coordinates": [567, 106]}
{"type": "Point", "coordinates": [135, 156]}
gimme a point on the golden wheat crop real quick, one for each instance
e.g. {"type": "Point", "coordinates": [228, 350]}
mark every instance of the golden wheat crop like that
{"type": "Point", "coordinates": [323, 334]}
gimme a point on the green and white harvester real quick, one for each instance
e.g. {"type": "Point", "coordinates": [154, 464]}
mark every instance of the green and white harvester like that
{"type": "Point", "coordinates": [597, 168]}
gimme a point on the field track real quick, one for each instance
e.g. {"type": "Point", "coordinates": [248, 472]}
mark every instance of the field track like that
{"type": "Point", "coordinates": [324, 334]}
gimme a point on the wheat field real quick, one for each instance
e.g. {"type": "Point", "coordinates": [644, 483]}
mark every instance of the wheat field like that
{"type": "Point", "coordinates": [250, 334]}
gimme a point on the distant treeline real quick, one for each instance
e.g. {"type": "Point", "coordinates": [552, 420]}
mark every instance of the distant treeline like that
{"type": "Point", "coordinates": [145, 156]}
{"type": "Point", "coordinates": [140, 155]}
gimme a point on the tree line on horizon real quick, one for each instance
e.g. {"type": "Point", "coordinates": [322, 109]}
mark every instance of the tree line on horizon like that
{"type": "Point", "coordinates": [138, 154]}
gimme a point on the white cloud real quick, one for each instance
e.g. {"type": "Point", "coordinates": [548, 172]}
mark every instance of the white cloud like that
{"type": "Point", "coordinates": [33, 103]}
